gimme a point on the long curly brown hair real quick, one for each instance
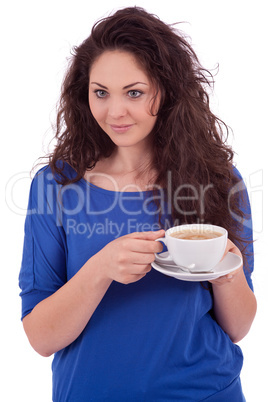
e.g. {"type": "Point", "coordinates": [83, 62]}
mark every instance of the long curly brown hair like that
{"type": "Point", "coordinates": [190, 153]}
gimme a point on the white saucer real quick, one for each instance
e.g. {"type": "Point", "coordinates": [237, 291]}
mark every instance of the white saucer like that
{"type": "Point", "coordinates": [230, 263]}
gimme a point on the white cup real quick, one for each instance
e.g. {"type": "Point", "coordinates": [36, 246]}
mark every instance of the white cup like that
{"type": "Point", "coordinates": [194, 255]}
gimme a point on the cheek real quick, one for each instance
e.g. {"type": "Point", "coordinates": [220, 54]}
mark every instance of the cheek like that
{"type": "Point", "coordinates": [96, 109]}
{"type": "Point", "coordinates": [148, 119]}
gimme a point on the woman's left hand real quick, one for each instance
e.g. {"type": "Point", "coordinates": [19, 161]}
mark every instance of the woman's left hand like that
{"type": "Point", "coordinates": [229, 277]}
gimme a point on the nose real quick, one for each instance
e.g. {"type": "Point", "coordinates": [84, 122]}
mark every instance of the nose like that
{"type": "Point", "coordinates": [117, 108]}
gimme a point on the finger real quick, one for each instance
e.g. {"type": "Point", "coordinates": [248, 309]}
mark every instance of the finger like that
{"type": "Point", "coordinates": [144, 271]}
{"type": "Point", "coordinates": [226, 278]}
{"type": "Point", "coordinates": [143, 246]}
{"type": "Point", "coordinates": [231, 247]}
{"type": "Point", "coordinates": [150, 235]}
{"type": "Point", "coordinates": [143, 258]}
{"type": "Point", "coordinates": [138, 272]}
{"type": "Point", "coordinates": [132, 279]}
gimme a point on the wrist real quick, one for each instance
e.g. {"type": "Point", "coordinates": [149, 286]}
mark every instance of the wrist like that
{"type": "Point", "coordinates": [96, 273]}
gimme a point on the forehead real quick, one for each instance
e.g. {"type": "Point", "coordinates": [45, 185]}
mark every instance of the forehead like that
{"type": "Point", "coordinates": [117, 63]}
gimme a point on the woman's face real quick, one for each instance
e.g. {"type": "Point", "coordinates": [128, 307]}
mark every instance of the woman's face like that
{"type": "Point", "coordinates": [121, 97]}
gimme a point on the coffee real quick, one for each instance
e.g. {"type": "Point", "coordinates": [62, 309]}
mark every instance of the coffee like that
{"type": "Point", "coordinates": [188, 234]}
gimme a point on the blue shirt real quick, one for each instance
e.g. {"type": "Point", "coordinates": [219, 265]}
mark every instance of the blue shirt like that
{"type": "Point", "coordinates": [152, 340]}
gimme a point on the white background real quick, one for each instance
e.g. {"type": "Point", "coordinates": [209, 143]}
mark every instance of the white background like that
{"type": "Point", "coordinates": [36, 39]}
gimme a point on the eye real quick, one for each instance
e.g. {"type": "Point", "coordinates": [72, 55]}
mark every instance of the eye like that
{"type": "Point", "coordinates": [134, 93]}
{"type": "Point", "coordinates": [100, 93]}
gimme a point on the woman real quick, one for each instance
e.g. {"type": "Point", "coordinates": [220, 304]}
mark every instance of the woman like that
{"type": "Point", "coordinates": [138, 150]}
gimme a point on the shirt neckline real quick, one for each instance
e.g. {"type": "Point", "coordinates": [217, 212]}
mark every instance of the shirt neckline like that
{"type": "Point", "coordinates": [114, 192]}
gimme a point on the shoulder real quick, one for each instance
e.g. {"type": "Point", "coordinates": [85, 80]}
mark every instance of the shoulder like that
{"type": "Point", "coordinates": [46, 174]}
{"type": "Point", "coordinates": [239, 184]}
{"type": "Point", "coordinates": [240, 192]}
{"type": "Point", "coordinates": [236, 173]}
{"type": "Point", "coordinates": [46, 186]}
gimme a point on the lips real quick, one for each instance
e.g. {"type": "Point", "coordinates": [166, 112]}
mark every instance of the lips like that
{"type": "Point", "coordinates": [122, 128]}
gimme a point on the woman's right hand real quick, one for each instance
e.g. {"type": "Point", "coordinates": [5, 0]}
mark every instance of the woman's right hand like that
{"type": "Point", "coordinates": [128, 258]}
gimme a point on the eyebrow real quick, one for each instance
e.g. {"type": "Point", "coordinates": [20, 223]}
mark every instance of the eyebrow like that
{"type": "Point", "coordinates": [126, 87]}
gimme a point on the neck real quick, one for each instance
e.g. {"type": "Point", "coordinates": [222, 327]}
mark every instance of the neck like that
{"type": "Point", "coordinates": [129, 159]}
{"type": "Point", "coordinates": [130, 167]}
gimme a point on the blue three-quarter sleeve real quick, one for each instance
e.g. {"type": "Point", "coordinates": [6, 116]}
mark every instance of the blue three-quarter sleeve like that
{"type": "Point", "coordinates": [43, 268]}
{"type": "Point", "coordinates": [246, 226]}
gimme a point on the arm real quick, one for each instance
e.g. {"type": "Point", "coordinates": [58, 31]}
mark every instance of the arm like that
{"type": "Point", "coordinates": [59, 319]}
{"type": "Point", "coordinates": [234, 302]}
